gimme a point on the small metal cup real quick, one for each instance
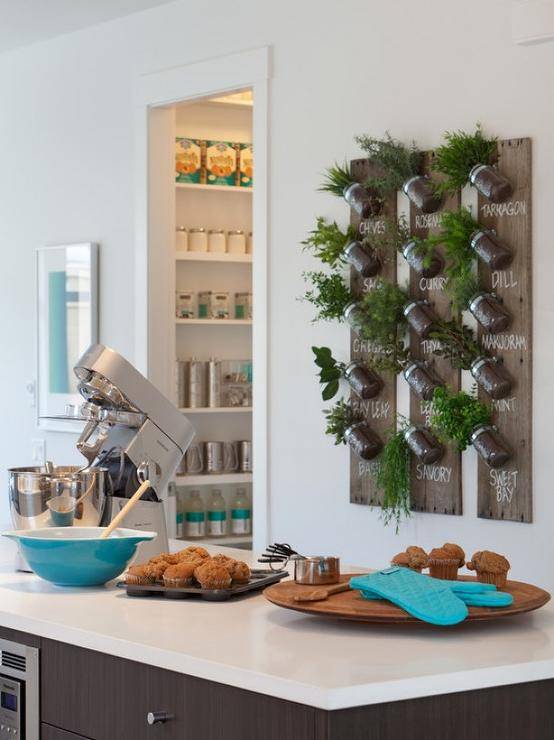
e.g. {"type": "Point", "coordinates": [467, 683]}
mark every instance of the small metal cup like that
{"type": "Point", "coordinates": [317, 570]}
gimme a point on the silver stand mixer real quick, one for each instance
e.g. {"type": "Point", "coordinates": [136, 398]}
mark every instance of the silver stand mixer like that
{"type": "Point", "coordinates": [132, 434]}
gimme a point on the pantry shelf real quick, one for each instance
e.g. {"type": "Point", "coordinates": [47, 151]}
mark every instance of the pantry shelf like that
{"type": "Point", "coordinates": [219, 410]}
{"type": "Point", "coordinates": [231, 540]}
{"type": "Point", "coordinates": [212, 257]}
{"type": "Point", "coordinates": [209, 480]}
{"type": "Point", "coordinates": [213, 188]}
{"type": "Point", "coordinates": [214, 322]}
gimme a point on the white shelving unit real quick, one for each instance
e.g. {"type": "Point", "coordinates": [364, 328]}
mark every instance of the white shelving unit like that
{"type": "Point", "coordinates": [219, 410]}
{"type": "Point", "coordinates": [214, 480]}
{"type": "Point", "coordinates": [213, 188]}
{"type": "Point", "coordinates": [214, 322]}
{"type": "Point", "coordinates": [212, 257]}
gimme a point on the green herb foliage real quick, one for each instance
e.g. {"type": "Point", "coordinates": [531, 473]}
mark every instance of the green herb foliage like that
{"type": "Point", "coordinates": [398, 161]}
{"type": "Point", "coordinates": [457, 343]}
{"type": "Point", "coordinates": [391, 238]}
{"type": "Point", "coordinates": [327, 242]}
{"type": "Point", "coordinates": [330, 371]}
{"type": "Point", "coordinates": [337, 178]}
{"type": "Point", "coordinates": [339, 417]}
{"type": "Point", "coordinates": [454, 416]}
{"type": "Point", "coordinates": [382, 312]}
{"type": "Point", "coordinates": [328, 294]}
{"type": "Point", "coordinates": [393, 477]}
{"type": "Point", "coordinates": [460, 153]}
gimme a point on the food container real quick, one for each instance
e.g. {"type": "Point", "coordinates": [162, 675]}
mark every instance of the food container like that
{"type": "Point", "coordinates": [216, 241]}
{"type": "Point", "coordinates": [365, 202]}
{"type": "Point", "coordinates": [353, 315]}
{"type": "Point", "coordinates": [421, 317]}
{"type": "Point", "coordinates": [490, 446]}
{"type": "Point", "coordinates": [212, 305]}
{"type": "Point", "coordinates": [236, 242]}
{"type": "Point", "coordinates": [245, 456]}
{"type": "Point", "coordinates": [416, 260]}
{"type": "Point", "coordinates": [197, 240]}
{"type": "Point", "coordinates": [194, 459]}
{"type": "Point", "coordinates": [249, 243]}
{"type": "Point", "coordinates": [490, 313]}
{"type": "Point", "coordinates": [196, 384]}
{"type": "Point", "coordinates": [188, 160]}
{"type": "Point", "coordinates": [181, 239]}
{"type": "Point", "coordinates": [419, 190]}
{"type": "Point", "coordinates": [243, 306]}
{"type": "Point", "coordinates": [490, 183]}
{"type": "Point", "coordinates": [222, 163]}
{"type": "Point", "coordinates": [363, 441]}
{"type": "Point", "coordinates": [363, 380]}
{"type": "Point", "coordinates": [246, 165]}
{"type": "Point", "coordinates": [236, 383]}
{"type": "Point", "coordinates": [213, 455]}
{"type": "Point", "coordinates": [362, 258]}
{"type": "Point", "coordinates": [424, 445]}
{"type": "Point", "coordinates": [214, 384]}
{"type": "Point", "coordinates": [490, 375]}
{"type": "Point", "coordinates": [184, 304]}
{"type": "Point", "coordinates": [488, 247]}
{"type": "Point", "coordinates": [421, 380]}
{"type": "Point", "coordinates": [317, 571]}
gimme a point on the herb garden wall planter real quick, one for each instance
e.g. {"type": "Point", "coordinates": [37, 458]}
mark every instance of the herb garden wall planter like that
{"type": "Point", "coordinates": [490, 183]}
{"type": "Point", "coordinates": [491, 377]}
{"type": "Point", "coordinates": [416, 260]}
{"type": "Point", "coordinates": [363, 380]}
{"type": "Point", "coordinates": [421, 380]}
{"type": "Point", "coordinates": [491, 250]}
{"type": "Point", "coordinates": [364, 201]}
{"type": "Point", "coordinates": [421, 317]}
{"type": "Point", "coordinates": [490, 313]}
{"type": "Point", "coordinates": [363, 441]}
{"type": "Point", "coordinates": [420, 191]}
{"type": "Point", "coordinates": [490, 446]}
{"type": "Point", "coordinates": [362, 258]}
{"type": "Point", "coordinates": [424, 445]}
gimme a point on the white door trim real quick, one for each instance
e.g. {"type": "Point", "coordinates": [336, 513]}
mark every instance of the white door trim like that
{"type": "Point", "coordinates": [247, 69]}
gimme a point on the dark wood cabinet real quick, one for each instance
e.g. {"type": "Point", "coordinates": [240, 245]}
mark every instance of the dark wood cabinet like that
{"type": "Point", "coordinates": [47, 732]}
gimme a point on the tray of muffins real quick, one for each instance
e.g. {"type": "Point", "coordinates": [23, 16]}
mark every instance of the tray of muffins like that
{"type": "Point", "coordinates": [194, 572]}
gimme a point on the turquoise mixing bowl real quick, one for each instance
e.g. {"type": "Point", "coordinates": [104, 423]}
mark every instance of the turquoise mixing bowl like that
{"type": "Point", "coordinates": [77, 556]}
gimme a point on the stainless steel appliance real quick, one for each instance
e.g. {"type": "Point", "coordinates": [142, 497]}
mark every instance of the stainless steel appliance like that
{"type": "Point", "coordinates": [19, 691]}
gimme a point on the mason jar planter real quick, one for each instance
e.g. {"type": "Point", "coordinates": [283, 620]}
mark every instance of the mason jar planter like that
{"type": "Point", "coordinates": [491, 377]}
{"type": "Point", "coordinates": [490, 446]}
{"type": "Point", "coordinates": [417, 261]}
{"type": "Point", "coordinates": [363, 440]}
{"type": "Point", "coordinates": [362, 258]}
{"type": "Point", "coordinates": [490, 183]}
{"type": "Point", "coordinates": [421, 380]}
{"type": "Point", "coordinates": [421, 317]}
{"type": "Point", "coordinates": [419, 190]}
{"type": "Point", "coordinates": [490, 313]}
{"type": "Point", "coordinates": [364, 201]}
{"type": "Point", "coordinates": [353, 315]}
{"type": "Point", "coordinates": [424, 445]}
{"type": "Point", "coordinates": [488, 247]}
{"type": "Point", "coordinates": [363, 380]}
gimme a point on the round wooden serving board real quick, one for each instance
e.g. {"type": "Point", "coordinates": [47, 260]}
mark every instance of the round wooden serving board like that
{"type": "Point", "coordinates": [350, 605]}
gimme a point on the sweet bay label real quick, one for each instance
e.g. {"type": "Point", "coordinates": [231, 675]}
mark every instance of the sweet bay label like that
{"type": "Point", "coordinates": [504, 484]}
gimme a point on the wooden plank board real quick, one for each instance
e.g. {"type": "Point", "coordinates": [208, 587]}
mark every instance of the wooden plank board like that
{"type": "Point", "coordinates": [507, 493]}
{"type": "Point", "coordinates": [380, 411]}
{"type": "Point", "coordinates": [435, 488]}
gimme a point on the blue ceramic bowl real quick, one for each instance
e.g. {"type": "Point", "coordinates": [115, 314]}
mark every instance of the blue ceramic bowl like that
{"type": "Point", "coordinates": [77, 556]}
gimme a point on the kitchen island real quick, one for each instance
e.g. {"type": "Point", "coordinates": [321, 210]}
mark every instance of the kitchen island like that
{"type": "Point", "coordinates": [247, 669]}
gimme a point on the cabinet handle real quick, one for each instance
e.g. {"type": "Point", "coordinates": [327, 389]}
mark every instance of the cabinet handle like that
{"type": "Point", "coordinates": [154, 718]}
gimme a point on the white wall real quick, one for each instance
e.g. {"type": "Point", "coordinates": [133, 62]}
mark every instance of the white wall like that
{"type": "Point", "coordinates": [339, 68]}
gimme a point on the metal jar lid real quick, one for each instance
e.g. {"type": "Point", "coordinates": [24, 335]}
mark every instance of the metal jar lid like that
{"type": "Point", "coordinates": [198, 230]}
{"type": "Point", "coordinates": [406, 310]}
{"type": "Point", "coordinates": [348, 188]}
{"type": "Point", "coordinates": [352, 245]}
{"type": "Point", "coordinates": [410, 181]}
{"type": "Point", "coordinates": [478, 363]}
{"type": "Point", "coordinates": [351, 428]}
{"type": "Point", "coordinates": [181, 228]}
{"type": "Point", "coordinates": [474, 238]}
{"type": "Point", "coordinates": [411, 367]}
{"type": "Point", "coordinates": [475, 170]}
{"type": "Point", "coordinates": [409, 247]}
{"type": "Point", "coordinates": [216, 231]}
{"type": "Point", "coordinates": [235, 232]}
{"type": "Point", "coordinates": [410, 430]}
{"type": "Point", "coordinates": [479, 430]}
{"type": "Point", "coordinates": [352, 306]}
{"type": "Point", "coordinates": [476, 300]}
{"type": "Point", "coordinates": [351, 366]}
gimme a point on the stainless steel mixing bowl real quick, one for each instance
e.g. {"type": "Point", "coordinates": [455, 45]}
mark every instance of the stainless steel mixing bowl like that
{"type": "Point", "coordinates": [31, 488]}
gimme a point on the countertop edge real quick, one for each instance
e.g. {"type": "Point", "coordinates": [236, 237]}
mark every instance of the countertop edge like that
{"type": "Point", "coordinates": [327, 699]}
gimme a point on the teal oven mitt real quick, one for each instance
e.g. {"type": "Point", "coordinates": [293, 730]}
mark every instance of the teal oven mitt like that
{"type": "Point", "coordinates": [428, 599]}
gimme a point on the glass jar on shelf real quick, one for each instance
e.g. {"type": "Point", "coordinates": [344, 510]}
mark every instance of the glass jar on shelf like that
{"type": "Point", "coordinates": [197, 239]}
{"type": "Point", "coordinates": [217, 242]}
{"type": "Point", "coordinates": [181, 239]}
{"type": "Point", "coordinates": [236, 241]}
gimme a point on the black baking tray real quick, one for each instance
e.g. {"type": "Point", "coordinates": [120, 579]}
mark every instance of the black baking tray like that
{"type": "Point", "coordinates": [258, 579]}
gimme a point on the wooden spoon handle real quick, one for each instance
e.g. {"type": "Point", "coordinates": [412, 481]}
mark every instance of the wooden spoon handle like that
{"type": "Point", "coordinates": [126, 509]}
{"type": "Point", "coordinates": [319, 594]}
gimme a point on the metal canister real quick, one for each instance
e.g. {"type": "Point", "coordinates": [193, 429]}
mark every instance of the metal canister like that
{"type": "Point", "coordinates": [245, 456]}
{"type": "Point", "coordinates": [196, 384]}
{"type": "Point", "coordinates": [214, 457]}
{"type": "Point", "coordinates": [214, 383]}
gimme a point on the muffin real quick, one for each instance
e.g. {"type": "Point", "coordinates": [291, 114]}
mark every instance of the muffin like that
{"type": "Point", "coordinates": [138, 575]}
{"type": "Point", "coordinates": [490, 567]}
{"type": "Point", "coordinates": [443, 564]}
{"type": "Point", "coordinates": [414, 558]}
{"type": "Point", "coordinates": [239, 572]}
{"type": "Point", "coordinates": [225, 560]}
{"type": "Point", "coordinates": [212, 575]}
{"type": "Point", "coordinates": [165, 557]}
{"type": "Point", "coordinates": [192, 552]}
{"type": "Point", "coordinates": [179, 575]}
{"type": "Point", "coordinates": [157, 569]}
{"type": "Point", "coordinates": [456, 552]}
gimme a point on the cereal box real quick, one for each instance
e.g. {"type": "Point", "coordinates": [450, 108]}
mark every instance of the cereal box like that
{"type": "Point", "coordinates": [188, 160]}
{"type": "Point", "coordinates": [246, 165]}
{"type": "Point", "coordinates": [222, 163]}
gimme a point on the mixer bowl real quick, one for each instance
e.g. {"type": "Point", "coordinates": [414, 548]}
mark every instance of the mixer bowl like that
{"type": "Point", "coordinates": [69, 556]}
{"type": "Point", "coordinates": [31, 488]}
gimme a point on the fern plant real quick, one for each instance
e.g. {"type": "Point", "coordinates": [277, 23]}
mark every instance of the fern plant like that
{"type": "Point", "coordinates": [460, 153]}
{"type": "Point", "coordinates": [398, 161]}
{"type": "Point", "coordinates": [339, 417]}
{"type": "Point", "coordinates": [454, 416]}
{"type": "Point", "coordinates": [393, 476]}
{"type": "Point", "coordinates": [329, 294]}
{"type": "Point", "coordinates": [327, 242]}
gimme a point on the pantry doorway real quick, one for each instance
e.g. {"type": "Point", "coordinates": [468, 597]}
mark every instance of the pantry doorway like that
{"type": "Point", "coordinates": [201, 283]}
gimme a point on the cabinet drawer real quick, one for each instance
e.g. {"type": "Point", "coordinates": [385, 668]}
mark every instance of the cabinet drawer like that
{"type": "Point", "coordinates": [47, 732]}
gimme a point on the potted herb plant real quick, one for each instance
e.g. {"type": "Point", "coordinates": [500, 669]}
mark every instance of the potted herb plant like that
{"type": "Point", "coordinates": [348, 426]}
{"type": "Point", "coordinates": [362, 198]}
{"type": "Point", "coordinates": [458, 344]}
{"type": "Point", "coordinates": [363, 380]}
{"type": "Point", "coordinates": [327, 242]}
{"type": "Point", "coordinates": [329, 294]}
{"type": "Point", "coordinates": [395, 237]}
{"type": "Point", "coordinates": [471, 157]}
{"type": "Point", "coordinates": [401, 167]}
{"type": "Point", "coordinates": [460, 418]}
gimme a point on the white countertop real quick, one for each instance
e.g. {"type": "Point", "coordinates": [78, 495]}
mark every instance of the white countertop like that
{"type": "Point", "coordinates": [251, 644]}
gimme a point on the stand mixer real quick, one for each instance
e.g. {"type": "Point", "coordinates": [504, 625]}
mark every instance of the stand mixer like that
{"type": "Point", "coordinates": [132, 434]}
